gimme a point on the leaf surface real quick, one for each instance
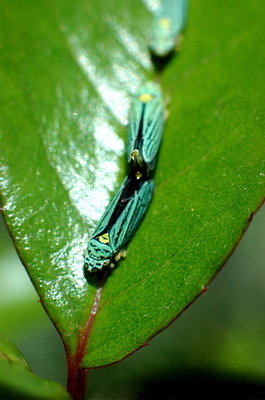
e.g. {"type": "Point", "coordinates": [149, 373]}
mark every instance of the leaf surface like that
{"type": "Point", "coordinates": [69, 71]}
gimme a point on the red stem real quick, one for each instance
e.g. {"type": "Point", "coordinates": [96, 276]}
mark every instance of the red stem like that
{"type": "Point", "coordinates": [77, 376]}
{"type": "Point", "coordinates": [76, 385]}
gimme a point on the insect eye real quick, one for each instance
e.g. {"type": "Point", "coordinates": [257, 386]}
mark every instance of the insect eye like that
{"type": "Point", "coordinates": [105, 263]}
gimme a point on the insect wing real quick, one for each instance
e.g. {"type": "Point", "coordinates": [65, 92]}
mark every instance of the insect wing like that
{"type": "Point", "coordinates": [109, 211]}
{"type": "Point", "coordinates": [183, 12]}
{"type": "Point", "coordinates": [153, 125]}
{"type": "Point", "coordinates": [131, 216]}
{"type": "Point", "coordinates": [149, 119]}
{"type": "Point", "coordinates": [134, 125]}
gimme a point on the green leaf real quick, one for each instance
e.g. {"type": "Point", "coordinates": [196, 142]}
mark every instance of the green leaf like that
{"type": "Point", "coordinates": [69, 71]}
{"type": "Point", "coordinates": [17, 380]}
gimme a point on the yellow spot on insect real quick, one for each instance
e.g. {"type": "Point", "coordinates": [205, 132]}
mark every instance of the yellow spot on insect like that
{"type": "Point", "coordinates": [165, 22]}
{"type": "Point", "coordinates": [145, 97]}
{"type": "Point", "coordinates": [134, 154]}
{"type": "Point", "coordinates": [104, 238]}
{"type": "Point", "coordinates": [136, 157]}
{"type": "Point", "coordinates": [138, 174]}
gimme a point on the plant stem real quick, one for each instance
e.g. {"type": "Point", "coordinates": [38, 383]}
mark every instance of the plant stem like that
{"type": "Point", "coordinates": [76, 383]}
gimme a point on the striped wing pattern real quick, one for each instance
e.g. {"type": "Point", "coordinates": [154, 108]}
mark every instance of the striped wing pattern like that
{"type": "Point", "coordinates": [152, 128]}
{"type": "Point", "coordinates": [108, 212]}
{"type": "Point", "coordinates": [152, 131]}
{"type": "Point", "coordinates": [131, 216]}
{"type": "Point", "coordinates": [134, 124]}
